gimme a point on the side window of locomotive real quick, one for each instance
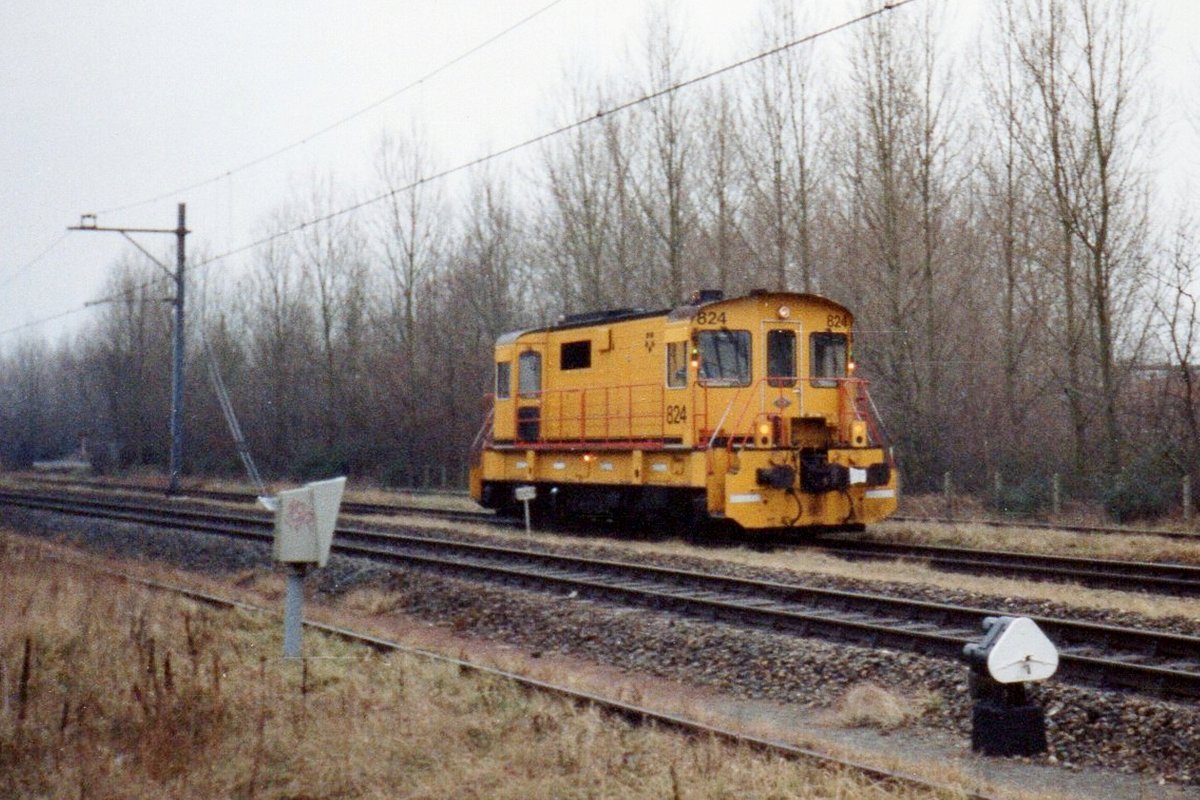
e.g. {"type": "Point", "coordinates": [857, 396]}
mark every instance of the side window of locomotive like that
{"type": "Point", "coordinates": [677, 365]}
{"type": "Point", "coordinates": [724, 357]}
{"type": "Point", "coordinates": [781, 358]}
{"type": "Point", "coordinates": [576, 355]}
{"type": "Point", "coordinates": [503, 380]}
{"type": "Point", "coordinates": [827, 361]}
{"type": "Point", "coordinates": [529, 373]}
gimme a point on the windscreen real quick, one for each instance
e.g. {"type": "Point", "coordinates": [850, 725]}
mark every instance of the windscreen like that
{"type": "Point", "coordinates": [724, 357]}
{"type": "Point", "coordinates": [828, 359]}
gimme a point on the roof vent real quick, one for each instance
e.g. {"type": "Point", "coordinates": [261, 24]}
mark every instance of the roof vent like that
{"type": "Point", "coordinates": [702, 296]}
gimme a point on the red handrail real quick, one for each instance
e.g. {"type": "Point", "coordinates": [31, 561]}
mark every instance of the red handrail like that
{"type": "Point", "coordinates": [633, 414]}
{"type": "Point", "coordinates": [626, 414]}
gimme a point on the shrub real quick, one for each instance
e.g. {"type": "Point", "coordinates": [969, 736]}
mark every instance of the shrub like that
{"type": "Point", "coordinates": [1131, 497]}
{"type": "Point", "coordinates": [1143, 490]}
{"type": "Point", "coordinates": [324, 462]}
{"type": "Point", "coordinates": [1030, 496]}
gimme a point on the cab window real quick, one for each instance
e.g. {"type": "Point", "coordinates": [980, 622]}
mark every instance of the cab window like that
{"type": "Point", "coordinates": [529, 373]}
{"type": "Point", "coordinates": [503, 380]}
{"type": "Point", "coordinates": [781, 358]}
{"type": "Point", "coordinates": [724, 357]}
{"type": "Point", "coordinates": [677, 365]}
{"type": "Point", "coordinates": [827, 361]}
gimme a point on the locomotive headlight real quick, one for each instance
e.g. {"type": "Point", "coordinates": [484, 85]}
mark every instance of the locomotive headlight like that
{"type": "Point", "coordinates": [850, 367]}
{"type": "Point", "coordinates": [764, 429]}
{"type": "Point", "coordinates": [784, 312]}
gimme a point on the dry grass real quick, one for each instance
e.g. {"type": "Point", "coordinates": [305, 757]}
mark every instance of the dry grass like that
{"type": "Point", "coordinates": [129, 694]}
{"type": "Point", "coordinates": [1130, 547]}
{"type": "Point", "coordinates": [868, 705]}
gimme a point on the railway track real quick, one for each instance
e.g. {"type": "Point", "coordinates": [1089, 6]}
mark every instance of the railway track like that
{"type": "Point", "coordinates": [638, 714]}
{"type": "Point", "coordinates": [1090, 654]}
{"type": "Point", "coordinates": [1145, 576]}
{"type": "Point", "coordinates": [1053, 526]}
{"type": "Point", "coordinates": [1149, 576]}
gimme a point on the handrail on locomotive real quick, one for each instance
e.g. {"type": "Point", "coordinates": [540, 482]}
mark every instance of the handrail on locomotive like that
{"type": "Point", "coordinates": [643, 404]}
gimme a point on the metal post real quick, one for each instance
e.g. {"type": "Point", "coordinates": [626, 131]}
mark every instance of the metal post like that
{"type": "Point", "coordinates": [87, 222]}
{"type": "Point", "coordinates": [1056, 494]}
{"type": "Point", "coordinates": [293, 610]}
{"type": "Point", "coordinates": [948, 492]}
{"type": "Point", "coordinates": [177, 359]}
{"type": "Point", "coordinates": [1187, 498]}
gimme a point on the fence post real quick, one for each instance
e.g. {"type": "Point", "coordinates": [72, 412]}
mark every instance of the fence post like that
{"type": "Point", "coordinates": [1056, 494]}
{"type": "Point", "coordinates": [948, 493]}
{"type": "Point", "coordinates": [997, 488]}
{"type": "Point", "coordinates": [1187, 498]}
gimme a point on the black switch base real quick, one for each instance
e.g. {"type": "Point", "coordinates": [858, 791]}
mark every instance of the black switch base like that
{"type": "Point", "coordinates": [998, 729]}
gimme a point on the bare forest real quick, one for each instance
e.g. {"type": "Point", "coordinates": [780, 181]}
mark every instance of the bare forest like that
{"type": "Point", "coordinates": [1025, 293]}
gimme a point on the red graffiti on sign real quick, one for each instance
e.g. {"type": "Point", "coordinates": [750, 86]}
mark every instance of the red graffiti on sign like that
{"type": "Point", "coordinates": [300, 515]}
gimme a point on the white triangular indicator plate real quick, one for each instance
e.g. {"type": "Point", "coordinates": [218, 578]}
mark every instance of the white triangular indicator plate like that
{"type": "Point", "coordinates": [1022, 653]}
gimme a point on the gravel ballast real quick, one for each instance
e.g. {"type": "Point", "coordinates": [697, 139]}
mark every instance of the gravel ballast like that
{"type": "Point", "coordinates": [1123, 731]}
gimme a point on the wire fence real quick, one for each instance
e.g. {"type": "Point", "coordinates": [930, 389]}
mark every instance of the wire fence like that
{"type": "Point", "coordinates": [1046, 497]}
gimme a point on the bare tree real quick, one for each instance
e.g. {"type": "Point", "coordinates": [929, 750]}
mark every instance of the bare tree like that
{"type": "Point", "coordinates": [410, 236]}
{"type": "Point", "coordinates": [580, 234]}
{"type": "Point", "coordinates": [1179, 311]}
{"type": "Point", "coordinates": [492, 274]}
{"type": "Point", "coordinates": [330, 252]}
{"type": "Point", "coordinates": [132, 344]}
{"type": "Point", "coordinates": [725, 259]}
{"type": "Point", "coordinates": [665, 189]}
{"type": "Point", "coordinates": [280, 338]}
{"type": "Point", "coordinates": [1015, 220]}
{"type": "Point", "coordinates": [784, 138]}
{"type": "Point", "coordinates": [1082, 61]}
{"type": "Point", "coordinates": [901, 227]}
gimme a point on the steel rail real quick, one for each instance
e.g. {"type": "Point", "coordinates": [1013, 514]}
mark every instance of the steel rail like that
{"type": "Point", "coordinates": [390, 508]}
{"type": "Point", "coordinates": [1157, 577]}
{"type": "Point", "coordinates": [637, 714]}
{"type": "Point", "coordinates": [1090, 653]}
{"type": "Point", "coordinates": [1052, 526]}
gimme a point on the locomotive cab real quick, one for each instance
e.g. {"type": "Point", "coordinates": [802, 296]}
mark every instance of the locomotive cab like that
{"type": "Point", "coordinates": [745, 409]}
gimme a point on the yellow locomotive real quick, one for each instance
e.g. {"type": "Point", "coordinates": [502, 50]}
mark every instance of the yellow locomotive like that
{"type": "Point", "coordinates": [742, 409]}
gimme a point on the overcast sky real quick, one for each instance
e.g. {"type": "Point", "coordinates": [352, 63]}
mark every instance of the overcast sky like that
{"type": "Point", "coordinates": [110, 104]}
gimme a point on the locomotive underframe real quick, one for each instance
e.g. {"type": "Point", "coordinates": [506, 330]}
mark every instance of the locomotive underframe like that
{"type": "Point", "coordinates": [753, 487]}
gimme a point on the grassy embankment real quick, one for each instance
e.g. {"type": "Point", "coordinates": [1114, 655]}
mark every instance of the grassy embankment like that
{"type": "Point", "coordinates": [108, 690]}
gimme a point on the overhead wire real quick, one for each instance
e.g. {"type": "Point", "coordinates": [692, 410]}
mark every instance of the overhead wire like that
{"type": "Point", "coordinates": [35, 323]}
{"type": "Point", "coordinates": [342, 121]}
{"type": "Point", "coordinates": [598, 115]}
{"type": "Point", "coordinates": [18, 271]}
{"type": "Point", "coordinates": [267, 157]}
